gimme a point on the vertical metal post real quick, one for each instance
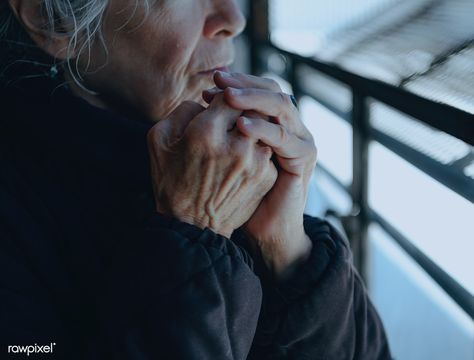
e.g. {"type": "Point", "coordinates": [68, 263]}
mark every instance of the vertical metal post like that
{"type": "Point", "coordinates": [293, 78]}
{"type": "Point", "coordinates": [360, 126]}
{"type": "Point", "coordinates": [258, 30]}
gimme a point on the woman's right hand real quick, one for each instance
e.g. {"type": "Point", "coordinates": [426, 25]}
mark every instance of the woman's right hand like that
{"type": "Point", "coordinates": [205, 171]}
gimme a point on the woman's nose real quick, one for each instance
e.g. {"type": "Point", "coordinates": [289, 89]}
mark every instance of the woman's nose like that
{"type": "Point", "coordinates": [225, 20]}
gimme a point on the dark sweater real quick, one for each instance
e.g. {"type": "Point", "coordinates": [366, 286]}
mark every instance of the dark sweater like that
{"type": "Point", "coordinates": [86, 263]}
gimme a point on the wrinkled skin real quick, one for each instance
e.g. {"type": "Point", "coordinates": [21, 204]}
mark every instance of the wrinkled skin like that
{"type": "Point", "coordinates": [205, 172]}
{"type": "Point", "coordinates": [157, 65]}
{"type": "Point", "coordinates": [277, 225]}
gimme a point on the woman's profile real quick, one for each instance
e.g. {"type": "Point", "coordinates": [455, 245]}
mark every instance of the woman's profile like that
{"type": "Point", "coordinates": [152, 202]}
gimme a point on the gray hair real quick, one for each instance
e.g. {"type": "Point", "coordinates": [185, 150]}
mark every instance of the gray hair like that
{"type": "Point", "coordinates": [78, 20]}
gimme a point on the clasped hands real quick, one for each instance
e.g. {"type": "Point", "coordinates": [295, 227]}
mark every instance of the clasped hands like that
{"type": "Point", "coordinates": [215, 167]}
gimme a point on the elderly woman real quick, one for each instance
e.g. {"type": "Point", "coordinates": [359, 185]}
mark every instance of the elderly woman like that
{"type": "Point", "coordinates": [151, 203]}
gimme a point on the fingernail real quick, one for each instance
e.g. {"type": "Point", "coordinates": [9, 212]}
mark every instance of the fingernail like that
{"type": "Point", "coordinates": [246, 121]}
{"type": "Point", "coordinates": [236, 92]}
{"type": "Point", "coordinates": [224, 74]}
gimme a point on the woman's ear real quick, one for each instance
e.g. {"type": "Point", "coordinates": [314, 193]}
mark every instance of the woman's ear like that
{"type": "Point", "coordinates": [34, 21]}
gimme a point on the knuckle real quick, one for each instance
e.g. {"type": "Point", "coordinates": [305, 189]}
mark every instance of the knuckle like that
{"type": "Point", "coordinates": [270, 176]}
{"type": "Point", "coordinates": [248, 172]}
{"type": "Point", "coordinates": [267, 152]}
{"type": "Point", "coordinates": [272, 84]}
{"type": "Point", "coordinates": [154, 134]}
{"type": "Point", "coordinates": [210, 146]}
{"type": "Point", "coordinates": [240, 157]}
{"type": "Point", "coordinates": [314, 153]}
{"type": "Point", "coordinates": [244, 166]}
{"type": "Point", "coordinates": [285, 99]}
{"type": "Point", "coordinates": [283, 136]}
{"type": "Point", "coordinates": [240, 149]}
{"type": "Point", "coordinates": [246, 142]}
{"type": "Point", "coordinates": [244, 157]}
{"type": "Point", "coordinates": [264, 157]}
{"type": "Point", "coordinates": [266, 171]}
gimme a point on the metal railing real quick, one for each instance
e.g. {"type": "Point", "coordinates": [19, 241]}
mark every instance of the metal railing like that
{"type": "Point", "coordinates": [445, 118]}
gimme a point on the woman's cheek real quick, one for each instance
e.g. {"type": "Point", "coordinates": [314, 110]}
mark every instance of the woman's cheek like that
{"type": "Point", "coordinates": [170, 94]}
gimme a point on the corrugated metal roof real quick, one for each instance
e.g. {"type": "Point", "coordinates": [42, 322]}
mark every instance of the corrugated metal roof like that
{"type": "Point", "coordinates": [428, 49]}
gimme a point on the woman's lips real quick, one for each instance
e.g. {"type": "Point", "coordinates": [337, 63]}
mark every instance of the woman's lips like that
{"type": "Point", "coordinates": [212, 71]}
{"type": "Point", "coordinates": [223, 69]}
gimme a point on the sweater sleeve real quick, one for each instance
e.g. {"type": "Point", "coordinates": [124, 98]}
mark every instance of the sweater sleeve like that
{"type": "Point", "coordinates": [172, 291]}
{"type": "Point", "coordinates": [322, 311]}
{"type": "Point", "coordinates": [178, 293]}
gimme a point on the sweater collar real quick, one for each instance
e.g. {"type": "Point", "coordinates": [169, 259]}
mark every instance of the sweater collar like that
{"type": "Point", "coordinates": [101, 142]}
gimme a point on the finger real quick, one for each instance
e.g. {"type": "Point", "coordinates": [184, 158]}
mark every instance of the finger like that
{"type": "Point", "coordinates": [251, 115]}
{"type": "Point", "coordinates": [240, 81]}
{"type": "Point", "coordinates": [255, 115]}
{"type": "Point", "coordinates": [208, 95]}
{"type": "Point", "coordinates": [274, 104]}
{"type": "Point", "coordinates": [283, 143]}
{"type": "Point", "coordinates": [219, 117]}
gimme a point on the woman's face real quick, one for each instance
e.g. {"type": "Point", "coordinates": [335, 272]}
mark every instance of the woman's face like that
{"type": "Point", "coordinates": [156, 61]}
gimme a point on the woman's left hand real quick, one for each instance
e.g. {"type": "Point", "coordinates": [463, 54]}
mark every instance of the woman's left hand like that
{"type": "Point", "coordinates": [271, 117]}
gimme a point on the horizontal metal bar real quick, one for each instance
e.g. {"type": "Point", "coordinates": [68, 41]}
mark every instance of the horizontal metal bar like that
{"type": "Point", "coordinates": [334, 179]}
{"type": "Point", "coordinates": [446, 175]}
{"type": "Point", "coordinates": [456, 291]}
{"type": "Point", "coordinates": [443, 117]}
{"type": "Point", "coordinates": [343, 115]}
